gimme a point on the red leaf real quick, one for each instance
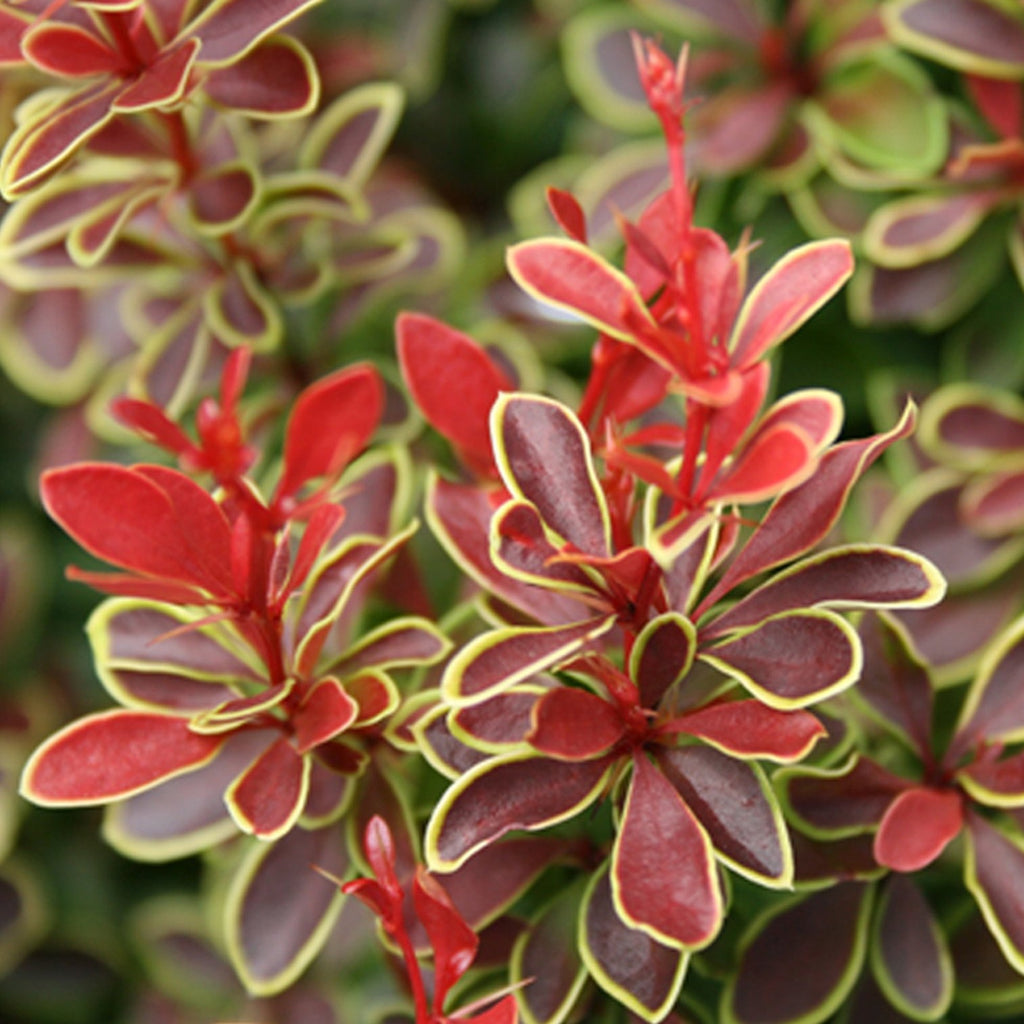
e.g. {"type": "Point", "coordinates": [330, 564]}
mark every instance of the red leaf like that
{"type": "Point", "coordinates": [994, 872]}
{"type": "Point", "coordinates": [149, 520]}
{"type": "Point", "coordinates": [326, 711]}
{"type": "Point", "coordinates": [267, 798]}
{"type": "Point", "coordinates": [110, 755]}
{"type": "Point", "coordinates": [774, 460]}
{"type": "Point", "coordinates": [163, 82]}
{"type": "Point", "coordinates": [917, 827]}
{"type": "Point", "coordinates": [1000, 102]}
{"type": "Point", "coordinates": [801, 282]}
{"type": "Point", "coordinates": [748, 728]}
{"type": "Point", "coordinates": [675, 900]}
{"type": "Point", "coordinates": [454, 943]}
{"type": "Point", "coordinates": [568, 275]}
{"type": "Point", "coordinates": [69, 51]}
{"type": "Point", "coordinates": [574, 725]}
{"type": "Point", "coordinates": [567, 211]}
{"type": "Point", "coordinates": [453, 382]}
{"type": "Point", "coordinates": [331, 422]}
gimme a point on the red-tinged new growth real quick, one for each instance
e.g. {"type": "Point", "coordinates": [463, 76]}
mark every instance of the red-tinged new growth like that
{"type": "Point", "coordinates": [209, 581]}
{"type": "Point", "coordinates": [453, 942]}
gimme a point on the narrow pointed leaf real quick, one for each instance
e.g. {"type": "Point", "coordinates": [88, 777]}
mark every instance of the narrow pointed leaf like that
{"type": "Point", "coordinates": [111, 755]}
{"type": "Point", "coordinates": [454, 943]}
{"type": "Point", "coordinates": [508, 793]}
{"type": "Point", "coordinates": [675, 900]}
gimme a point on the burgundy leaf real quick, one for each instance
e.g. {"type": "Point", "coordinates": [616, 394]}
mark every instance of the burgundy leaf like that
{"type": "Point", "coordinates": [544, 456]}
{"type": "Point", "coordinates": [737, 808]}
{"type": "Point", "coordinates": [793, 659]}
{"type": "Point", "coordinates": [503, 794]}
{"type": "Point", "coordinates": [909, 951]}
{"type": "Point", "coordinates": [675, 900]}
{"type": "Point", "coordinates": [547, 954]}
{"type": "Point", "coordinates": [800, 518]}
{"type": "Point", "coordinates": [826, 933]}
{"type": "Point", "coordinates": [850, 799]}
{"type": "Point", "coordinates": [498, 660]}
{"type": "Point", "coordinates": [626, 962]}
{"type": "Point", "coordinates": [280, 910]}
{"type": "Point", "coordinates": [661, 656]}
{"type": "Point", "coordinates": [574, 725]}
{"type": "Point", "coordinates": [230, 28]}
{"type": "Point", "coordinates": [994, 872]}
{"type": "Point", "coordinates": [995, 783]}
{"type": "Point", "coordinates": [895, 684]}
{"type": "Point", "coordinates": [111, 755]}
{"type": "Point", "coordinates": [917, 827]}
{"type": "Point", "coordinates": [856, 576]}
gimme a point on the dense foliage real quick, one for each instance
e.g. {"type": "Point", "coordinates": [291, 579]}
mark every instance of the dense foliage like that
{"type": "Point", "coordinates": [555, 473]}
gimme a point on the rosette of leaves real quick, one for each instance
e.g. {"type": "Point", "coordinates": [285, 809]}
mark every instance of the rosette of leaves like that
{"type": "Point", "coordinates": [778, 92]}
{"type": "Point", "coordinates": [959, 791]}
{"type": "Point", "coordinates": [249, 694]}
{"type": "Point", "coordinates": [668, 732]}
{"type": "Point", "coordinates": [962, 510]}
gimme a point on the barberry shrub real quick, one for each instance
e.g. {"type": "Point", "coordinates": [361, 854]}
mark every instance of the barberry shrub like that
{"type": "Point", "coordinates": [610, 700]}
